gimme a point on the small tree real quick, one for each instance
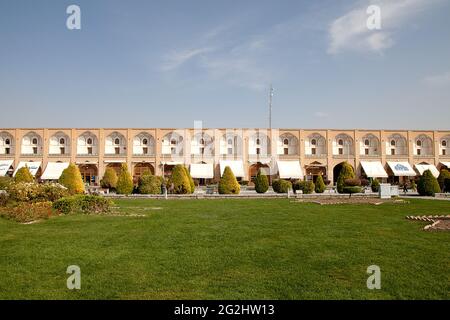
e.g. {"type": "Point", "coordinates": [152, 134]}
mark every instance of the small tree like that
{"type": "Point", "coordinates": [228, 183]}
{"type": "Point", "coordinates": [191, 181]}
{"type": "Point", "coordinates": [346, 173]}
{"type": "Point", "coordinates": [375, 186]}
{"type": "Point", "coordinates": [71, 179]}
{"type": "Point", "coordinates": [124, 181]}
{"type": "Point", "coordinates": [443, 175]}
{"type": "Point", "coordinates": [149, 184]}
{"type": "Point", "coordinates": [320, 185]}
{"type": "Point", "coordinates": [23, 175]}
{"type": "Point", "coordinates": [261, 182]}
{"type": "Point", "coordinates": [428, 184]}
{"type": "Point", "coordinates": [109, 179]}
{"type": "Point", "coordinates": [283, 186]}
{"type": "Point", "coordinates": [180, 180]}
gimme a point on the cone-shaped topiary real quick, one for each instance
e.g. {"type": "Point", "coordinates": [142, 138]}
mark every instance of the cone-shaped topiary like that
{"type": "Point", "coordinates": [261, 182]}
{"type": "Point", "coordinates": [443, 175]}
{"type": "Point", "coordinates": [124, 181]}
{"type": "Point", "coordinates": [191, 181]}
{"type": "Point", "coordinates": [180, 180]}
{"type": "Point", "coordinates": [228, 183]}
{"type": "Point", "coordinates": [428, 184]}
{"type": "Point", "coordinates": [320, 185]}
{"type": "Point", "coordinates": [71, 179]}
{"type": "Point", "coordinates": [346, 173]}
{"type": "Point", "coordinates": [23, 175]}
{"type": "Point", "coordinates": [109, 179]}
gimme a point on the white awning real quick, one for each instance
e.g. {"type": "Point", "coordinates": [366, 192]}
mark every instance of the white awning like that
{"type": "Point", "coordinates": [374, 169]}
{"type": "Point", "coordinates": [54, 170]}
{"type": "Point", "coordinates": [447, 164]}
{"type": "Point", "coordinates": [202, 170]}
{"type": "Point", "coordinates": [401, 169]}
{"type": "Point", "coordinates": [235, 165]}
{"type": "Point", "coordinates": [423, 167]}
{"type": "Point", "coordinates": [289, 170]}
{"type": "Point", "coordinates": [4, 166]}
{"type": "Point", "coordinates": [32, 166]}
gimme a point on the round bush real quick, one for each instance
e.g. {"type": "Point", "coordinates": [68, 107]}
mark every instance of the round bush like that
{"type": "Point", "coordinates": [124, 181]}
{"type": "Point", "coordinates": [110, 178]}
{"type": "Point", "coordinates": [281, 186]}
{"type": "Point", "coordinates": [308, 187]}
{"type": "Point", "coordinates": [180, 181]}
{"type": "Point", "coordinates": [149, 184]}
{"type": "Point", "coordinates": [375, 186]}
{"type": "Point", "coordinates": [443, 175]}
{"type": "Point", "coordinates": [23, 175]}
{"type": "Point", "coordinates": [355, 182]}
{"type": "Point", "coordinates": [346, 173]}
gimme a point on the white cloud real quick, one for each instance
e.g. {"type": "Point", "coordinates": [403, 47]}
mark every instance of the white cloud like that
{"type": "Point", "coordinates": [176, 59]}
{"type": "Point", "coordinates": [350, 33]}
{"type": "Point", "coordinates": [438, 80]}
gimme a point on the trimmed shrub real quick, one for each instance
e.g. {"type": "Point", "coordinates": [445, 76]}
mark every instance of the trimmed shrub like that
{"type": "Point", "coordinates": [346, 173]}
{"type": "Point", "coordinates": [149, 184]}
{"type": "Point", "coordinates": [5, 182]}
{"type": "Point", "coordinates": [352, 189]}
{"type": "Point", "coordinates": [375, 186]}
{"type": "Point", "coordinates": [281, 186]}
{"type": "Point", "coordinates": [443, 175]}
{"type": "Point", "coordinates": [228, 183]}
{"type": "Point", "coordinates": [428, 184]}
{"type": "Point", "coordinates": [191, 181]}
{"type": "Point", "coordinates": [261, 182]}
{"type": "Point", "coordinates": [84, 204]}
{"type": "Point", "coordinates": [23, 175]}
{"type": "Point", "coordinates": [308, 187]}
{"type": "Point", "coordinates": [180, 180]}
{"type": "Point", "coordinates": [124, 181]}
{"type": "Point", "coordinates": [352, 182]}
{"type": "Point", "coordinates": [110, 178]}
{"type": "Point", "coordinates": [320, 185]}
{"type": "Point", "coordinates": [24, 191]}
{"type": "Point", "coordinates": [297, 185]}
{"type": "Point", "coordinates": [27, 212]}
{"type": "Point", "coordinates": [52, 192]}
{"type": "Point", "coordinates": [71, 179]}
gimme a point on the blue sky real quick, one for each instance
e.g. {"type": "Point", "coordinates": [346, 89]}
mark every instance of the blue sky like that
{"type": "Point", "coordinates": [168, 63]}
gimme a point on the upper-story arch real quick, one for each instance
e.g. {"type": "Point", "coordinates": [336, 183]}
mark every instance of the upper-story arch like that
{"type": "Point", "coordinates": [115, 143]}
{"type": "Point", "coordinates": [343, 145]}
{"type": "Point", "coordinates": [231, 144]}
{"type": "Point", "coordinates": [444, 146]}
{"type": "Point", "coordinates": [143, 144]}
{"type": "Point", "coordinates": [59, 143]}
{"type": "Point", "coordinates": [172, 143]}
{"type": "Point", "coordinates": [287, 144]}
{"type": "Point", "coordinates": [369, 145]}
{"type": "Point", "coordinates": [31, 144]}
{"type": "Point", "coordinates": [423, 146]}
{"type": "Point", "coordinates": [396, 145]}
{"type": "Point", "coordinates": [315, 145]}
{"type": "Point", "coordinates": [87, 144]}
{"type": "Point", "coordinates": [259, 144]}
{"type": "Point", "coordinates": [202, 144]}
{"type": "Point", "coordinates": [6, 143]}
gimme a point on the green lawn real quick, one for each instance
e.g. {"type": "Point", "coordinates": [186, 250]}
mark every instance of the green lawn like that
{"type": "Point", "coordinates": [229, 249]}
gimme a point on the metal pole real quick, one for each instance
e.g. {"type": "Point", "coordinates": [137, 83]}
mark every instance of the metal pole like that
{"type": "Point", "coordinates": [270, 106]}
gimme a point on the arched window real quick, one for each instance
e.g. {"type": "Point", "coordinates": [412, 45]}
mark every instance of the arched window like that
{"type": "Point", "coordinates": [340, 142]}
{"type": "Point", "coordinates": [444, 143]}
{"type": "Point", "coordinates": [367, 142]}
{"type": "Point", "coordinates": [418, 143]}
{"type": "Point", "coordinates": [144, 141]}
{"type": "Point", "coordinates": [7, 141]}
{"type": "Point", "coordinates": [313, 142]}
{"type": "Point", "coordinates": [230, 141]}
{"type": "Point", "coordinates": [89, 141]}
{"type": "Point", "coordinates": [393, 143]}
{"type": "Point", "coordinates": [116, 141]}
{"type": "Point", "coordinates": [34, 141]}
{"type": "Point", "coordinates": [62, 141]}
{"type": "Point", "coordinates": [202, 141]}
{"type": "Point", "coordinates": [173, 141]}
{"type": "Point", "coordinates": [258, 141]}
{"type": "Point", "coordinates": [285, 141]}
